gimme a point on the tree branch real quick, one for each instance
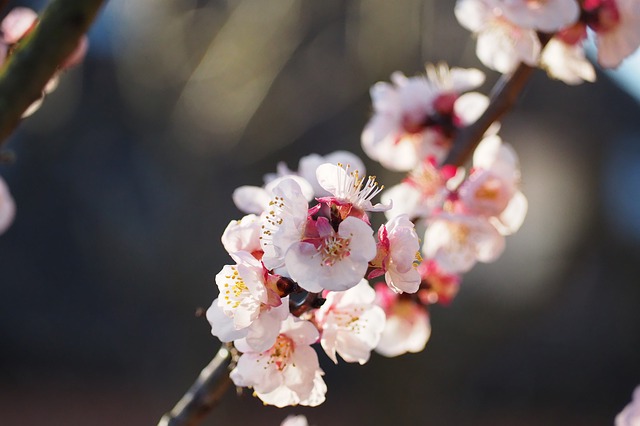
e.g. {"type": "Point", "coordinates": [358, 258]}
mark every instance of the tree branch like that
{"type": "Point", "coordinates": [503, 97]}
{"type": "Point", "coordinates": [37, 58]}
{"type": "Point", "coordinates": [203, 395]}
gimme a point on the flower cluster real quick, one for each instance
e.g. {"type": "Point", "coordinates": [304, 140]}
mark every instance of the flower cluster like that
{"type": "Point", "coordinates": [465, 216]}
{"type": "Point", "coordinates": [301, 276]}
{"type": "Point", "coordinates": [306, 250]}
{"type": "Point", "coordinates": [508, 33]}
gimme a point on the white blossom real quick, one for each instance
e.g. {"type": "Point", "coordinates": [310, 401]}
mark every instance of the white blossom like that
{"type": "Point", "coordinates": [351, 323]}
{"type": "Point", "coordinates": [567, 62]}
{"type": "Point", "coordinates": [243, 235]}
{"type": "Point", "coordinates": [501, 44]}
{"type": "Point", "coordinates": [286, 374]}
{"type": "Point", "coordinates": [348, 187]}
{"type": "Point", "coordinates": [283, 223]}
{"type": "Point", "coordinates": [246, 308]}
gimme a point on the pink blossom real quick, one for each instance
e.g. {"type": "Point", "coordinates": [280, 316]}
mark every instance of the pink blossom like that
{"type": "Point", "coordinates": [350, 323]}
{"type": "Point", "coordinates": [630, 415]}
{"type": "Point", "coordinates": [7, 207]}
{"type": "Point", "coordinates": [407, 328]}
{"type": "Point", "coordinates": [332, 260]}
{"type": "Point", "coordinates": [437, 286]}
{"type": "Point", "coordinates": [398, 255]}
{"type": "Point", "coordinates": [286, 374]}
{"type": "Point", "coordinates": [414, 117]}
{"type": "Point", "coordinates": [617, 27]}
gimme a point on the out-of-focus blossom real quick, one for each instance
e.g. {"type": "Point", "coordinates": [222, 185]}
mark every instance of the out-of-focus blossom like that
{"type": "Point", "coordinates": [330, 260]}
{"type": "Point", "coordinates": [7, 207]}
{"type": "Point", "coordinates": [616, 24]}
{"type": "Point", "coordinates": [286, 374]}
{"type": "Point", "coordinates": [492, 189]}
{"type": "Point", "coordinates": [16, 25]}
{"type": "Point", "coordinates": [501, 44]}
{"type": "Point", "coordinates": [567, 62]}
{"type": "Point", "coordinates": [437, 286]}
{"type": "Point", "coordinates": [398, 255]}
{"type": "Point", "coordinates": [407, 328]}
{"type": "Point", "coordinates": [414, 117]}
{"type": "Point", "coordinates": [457, 241]}
{"type": "Point", "coordinates": [350, 323]}
{"type": "Point", "coordinates": [547, 16]}
{"type": "Point", "coordinates": [292, 420]}
{"type": "Point", "coordinates": [630, 415]}
{"type": "Point", "coordinates": [422, 192]}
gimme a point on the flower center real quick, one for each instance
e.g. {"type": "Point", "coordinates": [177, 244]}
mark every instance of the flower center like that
{"type": "Point", "coordinates": [489, 191]}
{"type": "Point", "coordinates": [334, 249]}
{"type": "Point", "coordinates": [601, 15]}
{"type": "Point", "coordinates": [281, 351]}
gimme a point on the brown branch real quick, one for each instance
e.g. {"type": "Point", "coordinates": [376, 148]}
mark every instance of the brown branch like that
{"type": "Point", "coordinates": [37, 58]}
{"type": "Point", "coordinates": [504, 96]}
{"type": "Point", "coordinates": [204, 394]}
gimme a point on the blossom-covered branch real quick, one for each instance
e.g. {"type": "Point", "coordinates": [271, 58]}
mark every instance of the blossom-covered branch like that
{"type": "Point", "coordinates": [39, 56]}
{"type": "Point", "coordinates": [428, 126]}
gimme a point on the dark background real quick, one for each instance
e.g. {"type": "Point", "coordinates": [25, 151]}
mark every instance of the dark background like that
{"type": "Point", "coordinates": [123, 182]}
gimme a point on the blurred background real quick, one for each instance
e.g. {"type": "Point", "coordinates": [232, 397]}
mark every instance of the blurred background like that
{"type": "Point", "coordinates": [123, 185]}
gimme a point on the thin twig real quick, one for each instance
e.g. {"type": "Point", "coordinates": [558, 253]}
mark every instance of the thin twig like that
{"type": "Point", "coordinates": [37, 58]}
{"type": "Point", "coordinates": [203, 395]}
{"type": "Point", "coordinates": [503, 97]}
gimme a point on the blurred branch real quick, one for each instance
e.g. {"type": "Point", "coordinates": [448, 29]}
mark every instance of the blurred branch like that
{"type": "Point", "coordinates": [503, 97]}
{"type": "Point", "coordinates": [203, 395]}
{"type": "Point", "coordinates": [37, 58]}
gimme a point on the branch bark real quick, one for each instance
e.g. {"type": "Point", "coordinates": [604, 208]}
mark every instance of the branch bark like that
{"type": "Point", "coordinates": [203, 395]}
{"type": "Point", "coordinates": [37, 58]}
